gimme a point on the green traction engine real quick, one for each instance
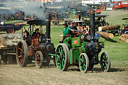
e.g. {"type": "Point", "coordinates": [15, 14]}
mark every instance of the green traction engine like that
{"type": "Point", "coordinates": [82, 51]}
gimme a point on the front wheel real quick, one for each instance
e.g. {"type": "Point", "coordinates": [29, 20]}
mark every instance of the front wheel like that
{"type": "Point", "coordinates": [105, 62]}
{"type": "Point", "coordinates": [39, 59]}
{"type": "Point", "coordinates": [83, 62]}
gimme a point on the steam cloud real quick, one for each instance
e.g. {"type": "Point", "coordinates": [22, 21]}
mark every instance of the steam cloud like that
{"type": "Point", "coordinates": [29, 8]}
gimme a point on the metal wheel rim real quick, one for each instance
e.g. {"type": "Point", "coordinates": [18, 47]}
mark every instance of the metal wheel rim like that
{"type": "Point", "coordinates": [4, 17]}
{"type": "Point", "coordinates": [17, 15]}
{"type": "Point", "coordinates": [105, 62]}
{"type": "Point", "coordinates": [60, 61]}
{"type": "Point", "coordinates": [11, 31]}
{"type": "Point", "coordinates": [39, 59]}
{"type": "Point", "coordinates": [20, 54]}
{"type": "Point", "coordinates": [82, 63]}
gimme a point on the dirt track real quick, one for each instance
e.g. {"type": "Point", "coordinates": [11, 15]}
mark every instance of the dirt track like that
{"type": "Point", "coordinates": [30, 75]}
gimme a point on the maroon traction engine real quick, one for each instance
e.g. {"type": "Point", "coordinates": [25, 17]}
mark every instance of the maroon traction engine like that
{"type": "Point", "coordinates": [40, 50]}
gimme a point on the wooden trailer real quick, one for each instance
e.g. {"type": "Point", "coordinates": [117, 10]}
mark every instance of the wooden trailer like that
{"type": "Point", "coordinates": [8, 43]}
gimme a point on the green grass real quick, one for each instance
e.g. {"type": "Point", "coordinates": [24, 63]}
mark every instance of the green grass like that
{"type": "Point", "coordinates": [56, 31]}
{"type": "Point", "coordinates": [115, 17]}
{"type": "Point", "coordinates": [117, 51]}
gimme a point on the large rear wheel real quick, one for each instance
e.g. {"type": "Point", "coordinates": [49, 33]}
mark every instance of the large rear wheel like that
{"type": "Point", "coordinates": [83, 62]}
{"type": "Point", "coordinates": [21, 53]}
{"type": "Point", "coordinates": [105, 62]}
{"type": "Point", "coordinates": [68, 62]}
{"type": "Point", "coordinates": [39, 59]}
{"type": "Point", "coordinates": [62, 57]}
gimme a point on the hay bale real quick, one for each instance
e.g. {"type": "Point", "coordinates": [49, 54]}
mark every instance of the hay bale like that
{"type": "Point", "coordinates": [11, 39]}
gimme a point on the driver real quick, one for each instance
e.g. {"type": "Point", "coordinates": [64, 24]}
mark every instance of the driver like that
{"type": "Point", "coordinates": [36, 34]}
{"type": "Point", "coordinates": [66, 31]}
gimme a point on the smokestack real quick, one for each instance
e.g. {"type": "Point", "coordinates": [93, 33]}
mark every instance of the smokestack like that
{"type": "Point", "coordinates": [92, 23]}
{"type": "Point", "coordinates": [48, 25]}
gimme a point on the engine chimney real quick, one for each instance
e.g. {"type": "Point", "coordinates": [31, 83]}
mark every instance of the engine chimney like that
{"type": "Point", "coordinates": [92, 23]}
{"type": "Point", "coordinates": [48, 25]}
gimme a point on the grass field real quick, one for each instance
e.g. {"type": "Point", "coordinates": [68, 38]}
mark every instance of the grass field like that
{"type": "Point", "coordinates": [118, 75]}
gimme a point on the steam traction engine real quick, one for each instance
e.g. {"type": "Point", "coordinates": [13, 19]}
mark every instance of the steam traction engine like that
{"type": "Point", "coordinates": [40, 50]}
{"type": "Point", "coordinates": [82, 50]}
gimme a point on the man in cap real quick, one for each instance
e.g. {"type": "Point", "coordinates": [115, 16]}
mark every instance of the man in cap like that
{"type": "Point", "coordinates": [66, 31]}
{"type": "Point", "coordinates": [36, 34]}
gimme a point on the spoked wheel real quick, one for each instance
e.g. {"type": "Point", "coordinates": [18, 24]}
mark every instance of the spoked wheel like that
{"type": "Point", "coordinates": [62, 58]}
{"type": "Point", "coordinates": [10, 31]}
{"type": "Point", "coordinates": [105, 62]}
{"type": "Point", "coordinates": [18, 15]}
{"type": "Point", "coordinates": [4, 16]}
{"type": "Point", "coordinates": [21, 53]}
{"type": "Point", "coordinates": [67, 53]}
{"type": "Point", "coordinates": [39, 59]}
{"type": "Point", "coordinates": [83, 62]}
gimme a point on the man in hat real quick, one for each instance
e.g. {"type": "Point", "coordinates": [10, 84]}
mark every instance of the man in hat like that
{"type": "Point", "coordinates": [66, 31]}
{"type": "Point", "coordinates": [36, 34]}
